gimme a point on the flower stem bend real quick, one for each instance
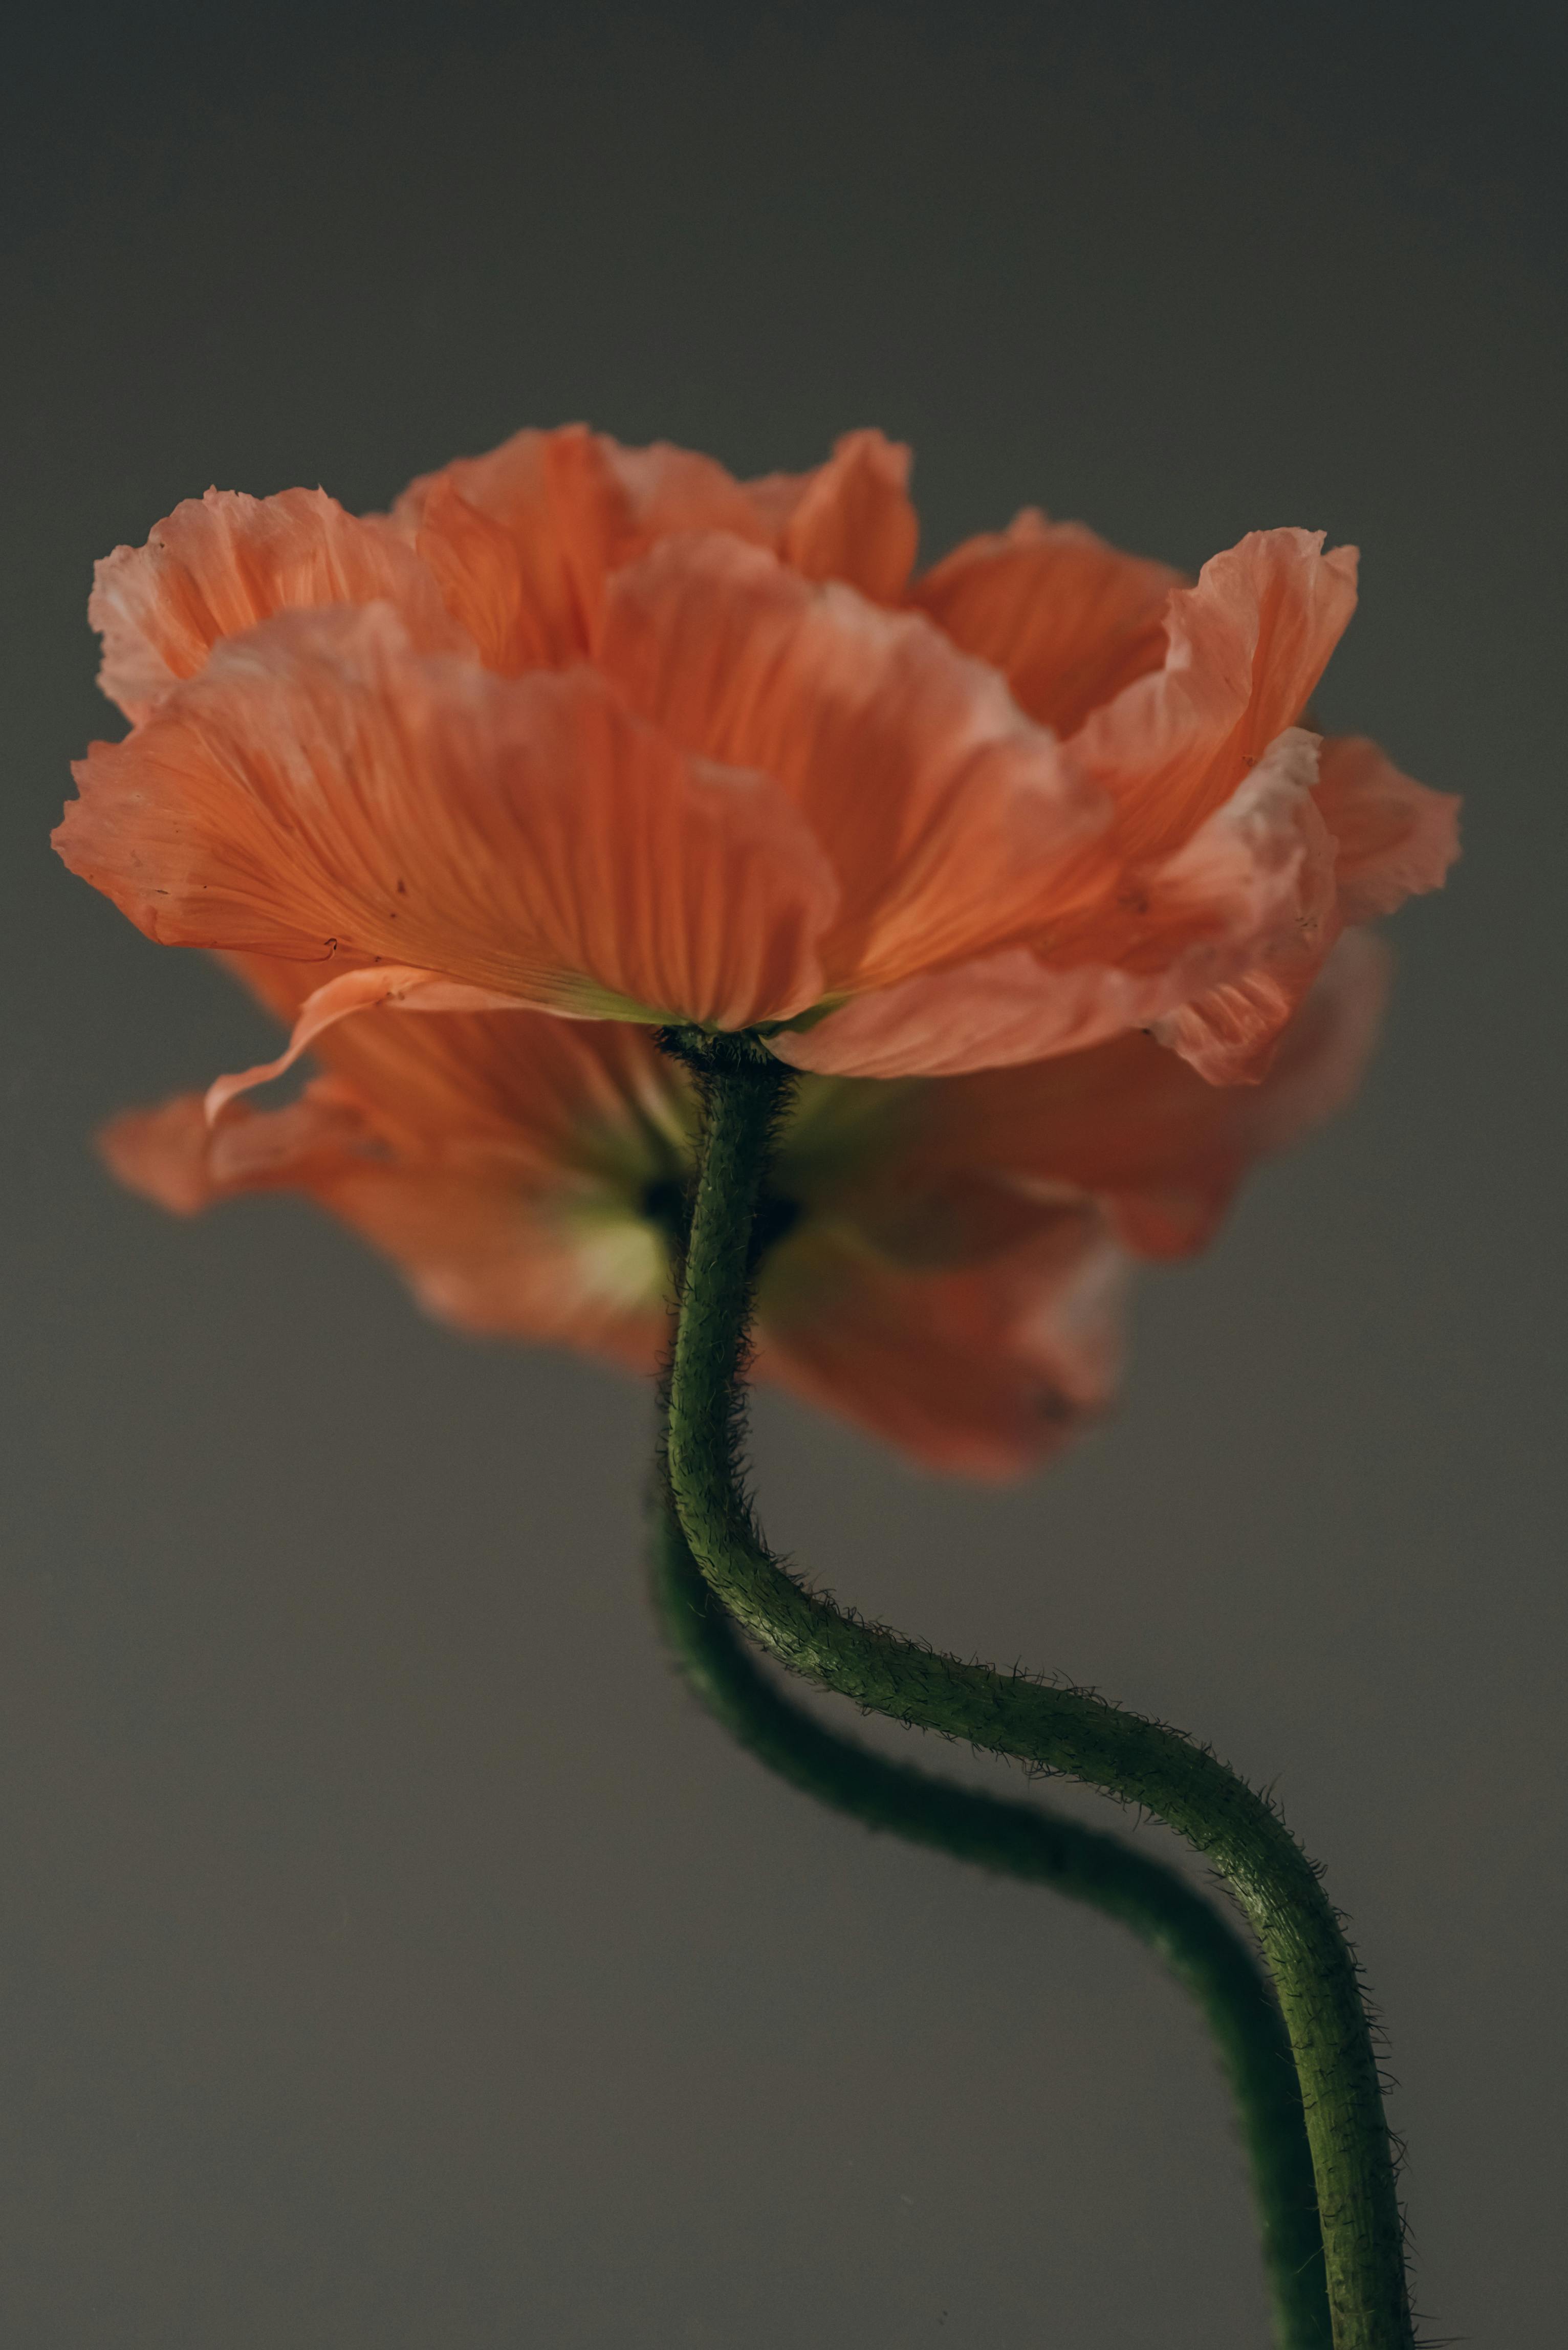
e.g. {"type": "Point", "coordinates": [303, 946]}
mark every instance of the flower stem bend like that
{"type": "Point", "coordinates": [1208, 1956]}
{"type": "Point", "coordinates": [1056, 1729]}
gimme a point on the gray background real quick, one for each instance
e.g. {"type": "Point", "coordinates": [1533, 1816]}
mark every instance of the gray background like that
{"type": "Point", "coordinates": [392, 1956]}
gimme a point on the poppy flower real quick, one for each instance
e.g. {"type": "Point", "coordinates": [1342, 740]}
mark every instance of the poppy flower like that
{"type": "Point", "coordinates": [944, 1259]}
{"type": "Point", "coordinates": [610, 734]}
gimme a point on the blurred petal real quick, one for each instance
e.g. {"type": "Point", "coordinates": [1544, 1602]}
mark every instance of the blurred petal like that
{"type": "Point", "coordinates": [478, 1249]}
{"type": "Point", "coordinates": [222, 563]}
{"type": "Point", "coordinates": [487, 1257]}
{"type": "Point", "coordinates": [942, 1221]}
{"type": "Point", "coordinates": [164, 1154]}
{"type": "Point", "coordinates": [177, 1158]}
{"type": "Point", "coordinates": [772, 498]}
{"type": "Point", "coordinates": [1229, 1033]}
{"type": "Point", "coordinates": [1132, 1126]}
{"type": "Point", "coordinates": [661, 492]}
{"type": "Point", "coordinates": [1067, 620]}
{"type": "Point", "coordinates": [853, 519]}
{"type": "Point", "coordinates": [320, 788]}
{"type": "Point", "coordinates": [983, 1373]}
{"type": "Point", "coordinates": [1395, 839]}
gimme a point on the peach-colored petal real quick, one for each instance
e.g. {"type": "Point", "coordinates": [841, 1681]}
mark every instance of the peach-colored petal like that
{"type": "Point", "coordinates": [480, 1249]}
{"type": "Point", "coordinates": [1247, 645]}
{"type": "Point", "coordinates": [661, 492]}
{"type": "Point", "coordinates": [543, 1094]}
{"type": "Point", "coordinates": [1387, 838]}
{"type": "Point", "coordinates": [164, 1154]}
{"type": "Point", "coordinates": [509, 483]}
{"type": "Point", "coordinates": [947, 1283]}
{"type": "Point", "coordinates": [1254, 881]}
{"type": "Point", "coordinates": [999, 1009]}
{"type": "Point", "coordinates": [1067, 620]}
{"type": "Point", "coordinates": [1229, 1033]}
{"type": "Point", "coordinates": [503, 538]}
{"type": "Point", "coordinates": [946, 813]}
{"type": "Point", "coordinates": [505, 590]}
{"type": "Point", "coordinates": [1130, 1125]}
{"type": "Point", "coordinates": [982, 1373]}
{"type": "Point", "coordinates": [222, 563]}
{"type": "Point", "coordinates": [489, 1258]}
{"type": "Point", "coordinates": [946, 1219]}
{"type": "Point", "coordinates": [320, 787]}
{"type": "Point", "coordinates": [1174, 1209]}
{"type": "Point", "coordinates": [178, 1158]}
{"type": "Point", "coordinates": [853, 519]}
{"type": "Point", "coordinates": [397, 986]}
{"type": "Point", "coordinates": [1395, 839]}
{"type": "Point", "coordinates": [282, 987]}
{"type": "Point", "coordinates": [521, 540]}
{"type": "Point", "coordinates": [772, 498]}
{"type": "Point", "coordinates": [1256, 872]}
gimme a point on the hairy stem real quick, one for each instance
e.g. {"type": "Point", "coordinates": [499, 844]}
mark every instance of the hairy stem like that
{"type": "Point", "coordinates": [1056, 1729]}
{"type": "Point", "coordinates": [1204, 1951]}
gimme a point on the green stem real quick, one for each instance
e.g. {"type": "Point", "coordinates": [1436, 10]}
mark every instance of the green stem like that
{"type": "Point", "coordinates": [1057, 1728]}
{"type": "Point", "coordinates": [1202, 1949]}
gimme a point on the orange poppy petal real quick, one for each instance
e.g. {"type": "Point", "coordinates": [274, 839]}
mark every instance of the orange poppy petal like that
{"type": "Point", "coordinates": [1254, 882]}
{"type": "Point", "coordinates": [162, 1154]}
{"type": "Point", "coordinates": [1246, 647]}
{"type": "Point", "coordinates": [984, 1014]}
{"type": "Point", "coordinates": [395, 985]}
{"type": "Point", "coordinates": [1229, 1033]}
{"type": "Point", "coordinates": [1172, 1204]}
{"type": "Point", "coordinates": [222, 563]}
{"type": "Point", "coordinates": [1132, 1126]}
{"type": "Point", "coordinates": [320, 787]}
{"type": "Point", "coordinates": [659, 492]}
{"type": "Point", "coordinates": [515, 563]}
{"type": "Point", "coordinates": [522, 539]}
{"type": "Point", "coordinates": [772, 498]}
{"type": "Point", "coordinates": [546, 1093]}
{"type": "Point", "coordinates": [1256, 874]}
{"type": "Point", "coordinates": [1067, 620]}
{"type": "Point", "coordinates": [943, 1220]}
{"type": "Point", "coordinates": [504, 587]}
{"type": "Point", "coordinates": [1389, 838]}
{"type": "Point", "coordinates": [488, 1257]}
{"type": "Point", "coordinates": [853, 519]}
{"type": "Point", "coordinates": [478, 1248]}
{"type": "Point", "coordinates": [1395, 839]}
{"type": "Point", "coordinates": [280, 986]}
{"type": "Point", "coordinates": [176, 1157]}
{"type": "Point", "coordinates": [948, 817]}
{"type": "Point", "coordinates": [982, 1373]}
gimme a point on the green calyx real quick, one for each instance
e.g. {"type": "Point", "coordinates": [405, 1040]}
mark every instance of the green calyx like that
{"type": "Point", "coordinates": [714, 1052]}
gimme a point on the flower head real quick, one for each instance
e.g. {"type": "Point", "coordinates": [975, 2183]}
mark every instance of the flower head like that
{"type": "Point", "coordinates": [944, 1260]}
{"type": "Point", "coordinates": [607, 732]}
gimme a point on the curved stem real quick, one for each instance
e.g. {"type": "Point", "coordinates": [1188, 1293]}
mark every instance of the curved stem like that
{"type": "Point", "coordinates": [1058, 1729]}
{"type": "Point", "coordinates": [1206, 1954]}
